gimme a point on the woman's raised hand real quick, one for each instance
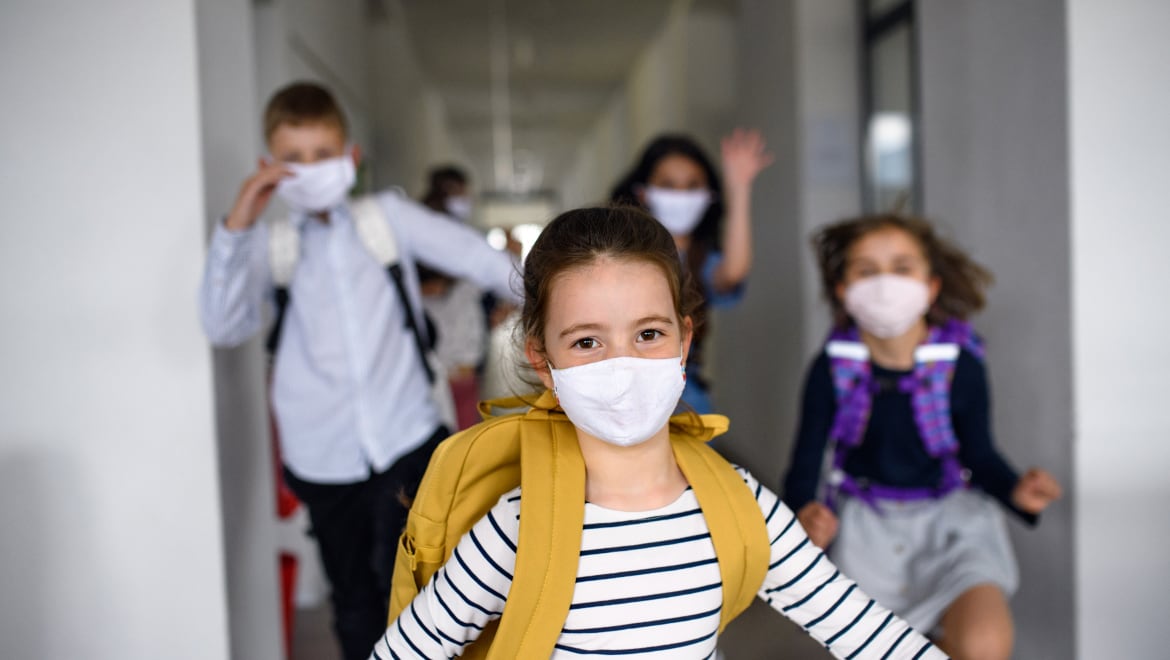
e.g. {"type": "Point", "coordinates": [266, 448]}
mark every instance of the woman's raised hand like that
{"type": "Point", "coordinates": [744, 155]}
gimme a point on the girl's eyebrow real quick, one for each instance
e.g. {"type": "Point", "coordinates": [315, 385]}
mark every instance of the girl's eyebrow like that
{"type": "Point", "coordinates": [578, 327]}
{"type": "Point", "coordinates": [655, 319]}
{"type": "Point", "coordinates": [582, 327]}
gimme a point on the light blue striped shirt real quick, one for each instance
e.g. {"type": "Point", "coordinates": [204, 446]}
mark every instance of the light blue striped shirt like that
{"type": "Point", "coordinates": [648, 586]}
{"type": "Point", "coordinates": [349, 390]}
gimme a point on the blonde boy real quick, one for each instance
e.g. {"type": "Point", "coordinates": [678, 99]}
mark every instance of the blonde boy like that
{"type": "Point", "coordinates": [350, 390]}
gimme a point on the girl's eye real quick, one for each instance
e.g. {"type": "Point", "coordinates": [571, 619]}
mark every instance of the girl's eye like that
{"type": "Point", "coordinates": [585, 343]}
{"type": "Point", "coordinates": [649, 335]}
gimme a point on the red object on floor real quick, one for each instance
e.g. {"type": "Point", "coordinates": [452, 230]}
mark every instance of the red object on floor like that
{"type": "Point", "coordinates": [288, 585]}
{"type": "Point", "coordinates": [465, 391]}
{"type": "Point", "coordinates": [286, 502]}
{"type": "Point", "coordinates": [286, 506]}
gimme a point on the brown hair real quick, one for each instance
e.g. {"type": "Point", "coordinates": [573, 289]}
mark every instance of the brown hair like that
{"type": "Point", "coordinates": [962, 281]}
{"type": "Point", "coordinates": [441, 181]}
{"type": "Point", "coordinates": [302, 103]}
{"type": "Point", "coordinates": [580, 237]}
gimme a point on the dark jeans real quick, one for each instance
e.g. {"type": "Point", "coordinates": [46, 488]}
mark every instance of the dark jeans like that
{"type": "Point", "coordinates": [357, 527]}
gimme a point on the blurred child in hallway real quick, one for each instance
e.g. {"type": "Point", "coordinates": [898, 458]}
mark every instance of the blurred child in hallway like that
{"type": "Point", "coordinates": [456, 307]}
{"type": "Point", "coordinates": [899, 400]}
{"type": "Point", "coordinates": [351, 385]}
{"type": "Point", "coordinates": [709, 217]}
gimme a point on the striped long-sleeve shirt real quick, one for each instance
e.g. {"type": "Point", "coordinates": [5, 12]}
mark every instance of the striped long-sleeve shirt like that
{"type": "Point", "coordinates": [647, 586]}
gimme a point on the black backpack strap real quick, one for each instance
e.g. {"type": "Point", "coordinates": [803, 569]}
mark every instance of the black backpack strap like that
{"type": "Point", "coordinates": [273, 340]}
{"type": "Point", "coordinates": [395, 271]}
{"type": "Point", "coordinates": [379, 242]}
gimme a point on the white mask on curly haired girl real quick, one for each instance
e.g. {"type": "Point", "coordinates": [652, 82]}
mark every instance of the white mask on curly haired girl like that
{"type": "Point", "coordinates": [886, 306]}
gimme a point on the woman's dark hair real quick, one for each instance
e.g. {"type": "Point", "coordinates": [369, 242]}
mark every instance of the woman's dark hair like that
{"type": "Point", "coordinates": [441, 184]}
{"type": "Point", "coordinates": [962, 281]}
{"type": "Point", "coordinates": [706, 232]}
{"type": "Point", "coordinates": [582, 236]}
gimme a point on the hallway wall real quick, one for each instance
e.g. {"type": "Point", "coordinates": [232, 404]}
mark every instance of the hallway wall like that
{"type": "Point", "coordinates": [1119, 101]}
{"type": "Point", "coordinates": [995, 169]}
{"type": "Point", "coordinates": [231, 144]}
{"type": "Point", "coordinates": [109, 497]}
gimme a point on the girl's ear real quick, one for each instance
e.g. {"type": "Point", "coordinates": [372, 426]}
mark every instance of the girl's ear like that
{"type": "Point", "coordinates": [539, 363]}
{"type": "Point", "coordinates": [640, 193]}
{"type": "Point", "coordinates": [688, 334]}
{"type": "Point", "coordinates": [839, 292]}
{"type": "Point", "coordinates": [935, 286]}
{"type": "Point", "coordinates": [356, 152]}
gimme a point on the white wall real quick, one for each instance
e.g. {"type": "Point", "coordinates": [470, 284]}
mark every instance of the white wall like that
{"type": "Point", "coordinates": [410, 132]}
{"type": "Point", "coordinates": [231, 146]}
{"type": "Point", "coordinates": [995, 168]}
{"type": "Point", "coordinates": [1119, 85]}
{"type": "Point", "coordinates": [109, 500]}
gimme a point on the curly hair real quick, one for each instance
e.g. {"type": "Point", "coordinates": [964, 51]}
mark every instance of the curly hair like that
{"type": "Point", "coordinates": [962, 281]}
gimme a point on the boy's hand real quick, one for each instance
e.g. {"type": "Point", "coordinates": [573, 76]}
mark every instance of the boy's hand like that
{"type": "Point", "coordinates": [254, 195]}
{"type": "Point", "coordinates": [1035, 491]}
{"type": "Point", "coordinates": [819, 522]}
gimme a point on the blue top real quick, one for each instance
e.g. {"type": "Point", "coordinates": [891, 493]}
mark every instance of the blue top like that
{"type": "Point", "coordinates": [695, 395]}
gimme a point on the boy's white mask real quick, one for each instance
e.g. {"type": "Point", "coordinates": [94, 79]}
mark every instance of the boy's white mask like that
{"type": "Point", "coordinates": [887, 305]}
{"type": "Point", "coordinates": [678, 210]}
{"type": "Point", "coordinates": [624, 400]}
{"type": "Point", "coordinates": [318, 186]}
{"type": "Point", "coordinates": [459, 206]}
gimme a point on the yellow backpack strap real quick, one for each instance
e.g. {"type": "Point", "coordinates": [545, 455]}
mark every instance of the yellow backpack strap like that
{"type": "Point", "coordinates": [510, 404]}
{"type": "Point", "coordinates": [738, 530]}
{"type": "Point", "coordinates": [552, 514]}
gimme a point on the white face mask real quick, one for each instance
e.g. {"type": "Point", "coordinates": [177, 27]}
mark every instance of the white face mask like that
{"type": "Point", "coordinates": [318, 186]}
{"type": "Point", "coordinates": [623, 401]}
{"type": "Point", "coordinates": [678, 210]}
{"type": "Point", "coordinates": [459, 206]}
{"type": "Point", "coordinates": [887, 305]}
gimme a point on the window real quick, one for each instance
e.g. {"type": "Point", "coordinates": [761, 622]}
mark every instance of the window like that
{"type": "Point", "coordinates": [890, 149]}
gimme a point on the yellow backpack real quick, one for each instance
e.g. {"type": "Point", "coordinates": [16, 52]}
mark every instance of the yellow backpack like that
{"type": "Point", "coordinates": [538, 451]}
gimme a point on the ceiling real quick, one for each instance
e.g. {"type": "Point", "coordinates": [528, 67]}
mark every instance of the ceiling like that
{"type": "Point", "coordinates": [566, 58]}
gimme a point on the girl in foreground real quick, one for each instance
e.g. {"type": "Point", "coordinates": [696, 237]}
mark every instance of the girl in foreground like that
{"type": "Point", "coordinates": [607, 327]}
{"type": "Point", "coordinates": [900, 392]}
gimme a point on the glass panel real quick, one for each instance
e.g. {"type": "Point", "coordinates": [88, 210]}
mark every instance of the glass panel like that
{"type": "Point", "coordinates": [889, 144]}
{"type": "Point", "coordinates": [876, 8]}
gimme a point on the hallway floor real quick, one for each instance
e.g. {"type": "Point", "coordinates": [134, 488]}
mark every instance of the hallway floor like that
{"type": "Point", "coordinates": [312, 635]}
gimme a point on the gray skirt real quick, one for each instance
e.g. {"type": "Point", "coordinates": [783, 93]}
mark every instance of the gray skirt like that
{"type": "Point", "coordinates": [916, 558]}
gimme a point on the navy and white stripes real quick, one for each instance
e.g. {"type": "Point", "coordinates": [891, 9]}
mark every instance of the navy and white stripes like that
{"type": "Point", "coordinates": [648, 586]}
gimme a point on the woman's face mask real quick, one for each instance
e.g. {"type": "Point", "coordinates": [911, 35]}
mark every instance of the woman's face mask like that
{"type": "Point", "coordinates": [678, 210]}
{"type": "Point", "coordinates": [318, 186]}
{"type": "Point", "coordinates": [624, 400]}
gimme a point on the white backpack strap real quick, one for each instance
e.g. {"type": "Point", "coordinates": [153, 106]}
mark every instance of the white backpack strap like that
{"type": "Point", "coordinates": [284, 248]}
{"type": "Point", "coordinates": [849, 350]}
{"type": "Point", "coordinates": [374, 230]}
{"type": "Point", "coordinates": [936, 353]}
